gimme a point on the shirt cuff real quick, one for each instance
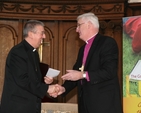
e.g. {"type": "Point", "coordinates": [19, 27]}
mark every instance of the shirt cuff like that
{"type": "Point", "coordinates": [87, 76]}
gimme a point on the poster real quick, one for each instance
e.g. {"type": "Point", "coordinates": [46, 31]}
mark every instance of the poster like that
{"type": "Point", "coordinates": [132, 64]}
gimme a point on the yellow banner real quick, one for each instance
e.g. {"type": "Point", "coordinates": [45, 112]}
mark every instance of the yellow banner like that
{"type": "Point", "coordinates": [131, 103]}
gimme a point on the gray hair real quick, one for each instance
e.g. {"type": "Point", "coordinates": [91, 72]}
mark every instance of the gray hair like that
{"type": "Point", "coordinates": [31, 26]}
{"type": "Point", "coordinates": [89, 17]}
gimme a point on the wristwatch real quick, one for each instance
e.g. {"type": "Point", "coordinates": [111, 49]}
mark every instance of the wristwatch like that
{"type": "Point", "coordinates": [84, 74]}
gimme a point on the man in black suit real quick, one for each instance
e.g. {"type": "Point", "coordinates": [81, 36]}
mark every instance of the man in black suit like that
{"type": "Point", "coordinates": [95, 70]}
{"type": "Point", "coordinates": [23, 87]}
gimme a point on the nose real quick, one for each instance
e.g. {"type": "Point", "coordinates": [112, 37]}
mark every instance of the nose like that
{"type": "Point", "coordinates": [77, 29]}
{"type": "Point", "coordinates": [44, 36]}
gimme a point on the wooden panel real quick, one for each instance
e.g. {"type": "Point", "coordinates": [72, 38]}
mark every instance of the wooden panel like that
{"type": "Point", "coordinates": [70, 46]}
{"type": "Point", "coordinates": [48, 43]}
{"type": "Point", "coordinates": [8, 39]}
{"type": "Point", "coordinates": [60, 48]}
{"type": "Point", "coordinates": [62, 10]}
{"type": "Point", "coordinates": [134, 9]}
{"type": "Point", "coordinates": [113, 28]}
{"type": "Point", "coordinates": [49, 50]}
{"type": "Point", "coordinates": [63, 1]}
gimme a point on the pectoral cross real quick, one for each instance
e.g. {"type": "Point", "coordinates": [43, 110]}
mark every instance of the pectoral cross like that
{"type": "Point", "coordinates": [81, 68]}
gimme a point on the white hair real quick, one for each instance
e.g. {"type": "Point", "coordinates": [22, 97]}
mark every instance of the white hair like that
{"type": "Point", "coordinates": [89, 17]}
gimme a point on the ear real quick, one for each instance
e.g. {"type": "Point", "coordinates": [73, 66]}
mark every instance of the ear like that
{"type": "Point", "coordinates": [30, 34]}
{"type": "Point", "coordinates": [89, 24]}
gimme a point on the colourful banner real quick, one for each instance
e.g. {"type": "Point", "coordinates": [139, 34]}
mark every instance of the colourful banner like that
{"type": "Point", "coordinates": [132, 64]}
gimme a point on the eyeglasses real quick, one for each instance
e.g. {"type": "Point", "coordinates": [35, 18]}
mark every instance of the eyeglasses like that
{"type": "Point", "coordinates": [38, 32]}
{"type": "Point", "coordinates": [78, 25]}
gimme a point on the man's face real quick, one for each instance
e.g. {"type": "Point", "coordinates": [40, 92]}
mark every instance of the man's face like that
{"type": "Point", "coordinates": [38, 36]}
{"type": "Point", "coordinates": [82, 29]}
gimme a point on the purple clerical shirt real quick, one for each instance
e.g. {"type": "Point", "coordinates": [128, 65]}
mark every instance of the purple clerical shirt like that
{"type": "Point", "coordinates": [85, 54]}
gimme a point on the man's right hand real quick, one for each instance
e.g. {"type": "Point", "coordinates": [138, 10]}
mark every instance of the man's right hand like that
{"type": "Point", "coordinates": [55, 90]}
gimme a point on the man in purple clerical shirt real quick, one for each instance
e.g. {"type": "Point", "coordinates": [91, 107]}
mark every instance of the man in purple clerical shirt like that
{"type": "Point", "coordinates": [95, 70]}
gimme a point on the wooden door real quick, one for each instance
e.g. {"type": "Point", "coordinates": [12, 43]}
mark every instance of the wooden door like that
{"type": "Point", "coordinates": [59, 50]}
{"type": "Point", "coordinates": [69, 45]}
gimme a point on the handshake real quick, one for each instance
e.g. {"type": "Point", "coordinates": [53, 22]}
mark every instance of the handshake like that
{"type": "Point", "coordinates": [56, 89]}
{"type": "Point", "coordinates": [53, 90]}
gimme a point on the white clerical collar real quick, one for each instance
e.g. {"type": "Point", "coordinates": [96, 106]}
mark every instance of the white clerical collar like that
{"type": "Point", "coordinates": [34, 50]}
{"type": "Point", "coordinates": [90, 38]}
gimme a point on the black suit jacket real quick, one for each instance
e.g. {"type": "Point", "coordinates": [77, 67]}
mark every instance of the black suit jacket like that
{"type": "Point", "coordinates": [102, 93]}
{"type": "Point", "coordinates": [23, 89]}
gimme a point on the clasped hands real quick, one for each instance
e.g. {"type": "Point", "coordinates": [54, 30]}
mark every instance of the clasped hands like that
{"type": "Point", "coordinates": [56, 89]}
{"type": "Point", "coordinates": [53, 90]}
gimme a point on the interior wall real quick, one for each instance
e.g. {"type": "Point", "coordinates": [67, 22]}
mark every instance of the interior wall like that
{"type": "Point", "coordinates": [60, 20]}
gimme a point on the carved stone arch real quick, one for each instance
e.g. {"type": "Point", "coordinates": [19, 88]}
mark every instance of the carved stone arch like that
{"type": "Point", "coordinates": [8, 39]}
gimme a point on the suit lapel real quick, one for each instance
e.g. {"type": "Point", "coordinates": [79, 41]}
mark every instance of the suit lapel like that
{"type": "Point", "coordinates": [92, 50]}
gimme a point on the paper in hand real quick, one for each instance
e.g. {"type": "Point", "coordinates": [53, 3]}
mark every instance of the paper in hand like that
{"type": "Point", "coordinates": [52, 72]}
